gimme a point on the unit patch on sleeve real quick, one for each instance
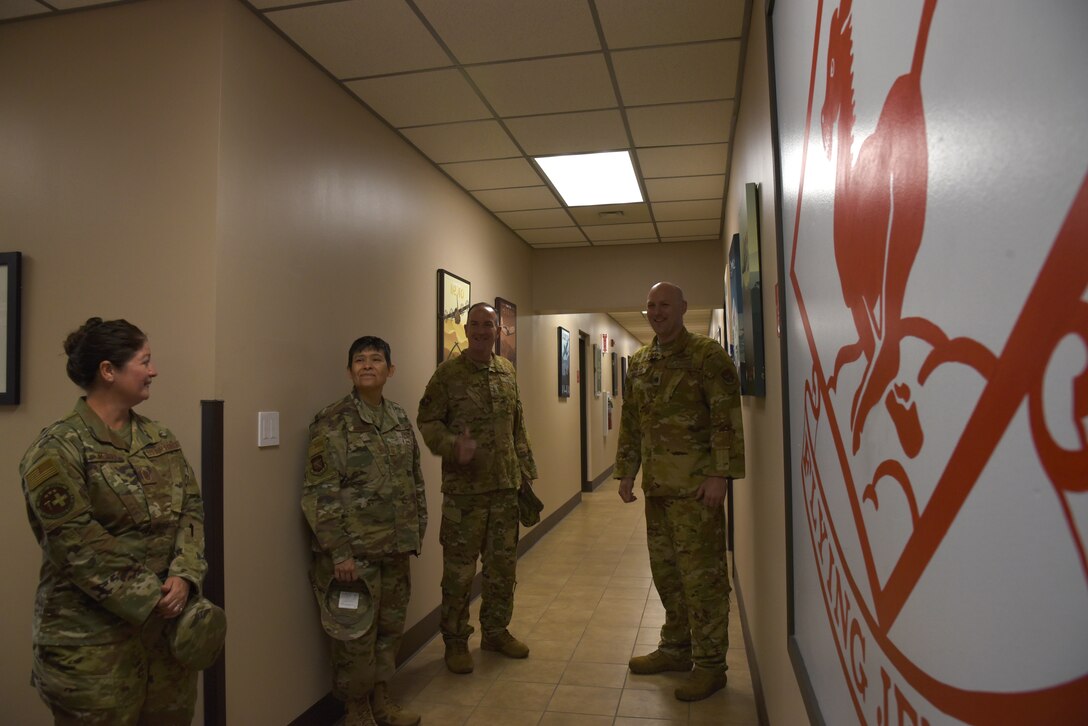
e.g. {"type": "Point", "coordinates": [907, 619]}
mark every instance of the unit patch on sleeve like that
{"type": "Point", "coordinates": [54, 501]}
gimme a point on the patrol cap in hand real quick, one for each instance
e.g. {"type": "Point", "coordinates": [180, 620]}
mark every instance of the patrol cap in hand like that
{"type": "Point", "coordinates": [198, 634]}
{"type": "Point", "coordinates": [529, 506]}
{"type": "Point", "coordinates": [347, 608]}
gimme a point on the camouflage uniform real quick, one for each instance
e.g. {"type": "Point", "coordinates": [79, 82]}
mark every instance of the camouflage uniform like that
{"type": "Point", "coordinates": [480, 507]}
{"type": "Point", "coordinates": [681, 422]}
{"type": "Point", "coordinates": [114, 519]}
{"type": "Point", "coordinates": [364, 498]}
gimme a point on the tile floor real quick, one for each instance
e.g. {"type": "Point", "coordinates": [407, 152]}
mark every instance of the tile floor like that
{"type": "Point", "coordinates": [584, 604]}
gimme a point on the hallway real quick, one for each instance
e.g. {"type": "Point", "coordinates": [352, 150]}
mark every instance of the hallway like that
{"type": "Point", "coordinates": [584, 604]}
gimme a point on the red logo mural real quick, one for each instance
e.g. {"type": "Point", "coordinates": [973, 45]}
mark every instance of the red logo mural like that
{"type": "Point", "coordinates": [890, 478]}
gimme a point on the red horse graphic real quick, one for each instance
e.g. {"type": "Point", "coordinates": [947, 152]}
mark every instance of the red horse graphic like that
{"type": "Point", "coordinates": [879, 216]}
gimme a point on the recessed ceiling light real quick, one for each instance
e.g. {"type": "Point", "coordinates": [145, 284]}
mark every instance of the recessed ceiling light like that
{"type": "Point", "coordinates": [587, 179]}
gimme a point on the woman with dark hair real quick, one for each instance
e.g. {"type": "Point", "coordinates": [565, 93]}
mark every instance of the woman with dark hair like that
{"type": "Point", "coordinates": [117, 512]}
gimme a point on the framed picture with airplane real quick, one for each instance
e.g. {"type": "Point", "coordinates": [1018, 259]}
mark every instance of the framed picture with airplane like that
{"type": "Point", "coordinates": [454, 299]}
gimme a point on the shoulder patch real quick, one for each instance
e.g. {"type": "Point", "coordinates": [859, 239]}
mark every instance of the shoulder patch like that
{"type": "Point", "coordinates": [54, 501]}
{"type": "Point", "coordinates": [43, 472]}
{"type": "Point", "coordinates": [317, 463]}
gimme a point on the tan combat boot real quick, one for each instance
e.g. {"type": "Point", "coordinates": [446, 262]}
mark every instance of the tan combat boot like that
{"type": "Point", "coordinates": [702, 682]}
{"type": "Point", "coordinates": [658, 662]}
{"type": "Point", "coordinates": [358, 712]}
{"type": "Point", "coordinates": [458, 659]}
{"type": "Point", "coordinates": [387, 712]}
{"type": "Point", "coordinates": [506, 644]}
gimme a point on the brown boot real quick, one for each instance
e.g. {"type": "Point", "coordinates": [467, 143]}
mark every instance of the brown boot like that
{"type": "Point", "coordinates": [506, 644]}
{"type": "Point", "coordinates": [387, 712]}
{"type": "Point", "coordinates": [702, 682]}
{"type": "Point", "coordinates": [658, 662]}
{"type": "Point", "coordinates": [358, 713]}
{"type": "Point", "coordinates": [458, 659]}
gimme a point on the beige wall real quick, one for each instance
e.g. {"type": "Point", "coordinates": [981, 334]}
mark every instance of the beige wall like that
{"type": "Point", "coordinates": [759, 504]}
{"type": "Point", "coordinates": [616, 278]}
{"type": "Point", "coordinates": [107, 185]}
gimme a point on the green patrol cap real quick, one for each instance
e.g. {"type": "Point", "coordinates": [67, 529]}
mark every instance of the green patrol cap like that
{"type": "Point", "coordinates": [529, 506]}
{"type": "Point", "coordinates": [347, 608]}
{"type": "Point", "coordinates": [198, 634]}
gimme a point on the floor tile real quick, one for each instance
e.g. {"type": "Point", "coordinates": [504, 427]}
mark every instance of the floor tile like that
{"type": "Point", "coordinates": [534, 670]}
{"type": "Point", "coordinates": [517, 695]}
{"type": "Point", "coordinates": [652, 704]}
{"type": "Point", "coordinates": [507, 717]}
{"type": "Point", "coordinates": [585, 699]}
{"type": "Point", "coordinates": [600, 675]}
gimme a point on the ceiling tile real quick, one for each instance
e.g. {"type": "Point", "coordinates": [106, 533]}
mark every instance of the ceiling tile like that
{"type": "Point", "coordinates": [570, 133]}
{"type": "Point", "coordinates": [683, 160]}
{"type": "Point", "coordinates": [507, 200]}
{"type": "Point", "coordinates": [362, 37]}
{"type": "Point", "coordinates": [685, 188]}
{"type": "Point", "coordinates": [467, 141]}
{"type": "Point", "coordinates": [619, 231]}
{"type": "Point", "coordinates": [682, 123]}
{"type": "Point", "coordinates": [629, 23]}
{"type": "Point", "coordinates": [480, 31]}
{"type": "Point", "coordinates": [415, 99]}
{"type": "Point", "coordinates": [674, 211]}
{"type": "Point", "coordinates": [611, 214]}
{"type": "Point", "coordinates": [552, 235]}
{"type": "Point", "coordinates": [550, 85]}
{"type": "Point", "coordinates": [699, 72]}
{"type": "Point", "coordinates": [689, 228]}
{"type": "Point", "coordinates": [493, 174]}
{"type": "Point", "coordinates": [535, 218]}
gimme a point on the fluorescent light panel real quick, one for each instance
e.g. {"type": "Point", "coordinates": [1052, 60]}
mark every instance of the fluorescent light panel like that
{"type": "Point", "coordinates": [588, 179]}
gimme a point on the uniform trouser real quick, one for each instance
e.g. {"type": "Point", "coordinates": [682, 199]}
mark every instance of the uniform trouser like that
{"type": "Point", "coordinates": [485, 526]}
{"type": "Point", "coordinates": [136, 681]}
{"type": "Point", "coordinates": [372, 658]}
{"type": "Point", "coordinates": [686, 540]}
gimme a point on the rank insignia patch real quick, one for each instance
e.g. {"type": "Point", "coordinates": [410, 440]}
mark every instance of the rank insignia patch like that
{"type": "Point", "coordinates": [317, 464]}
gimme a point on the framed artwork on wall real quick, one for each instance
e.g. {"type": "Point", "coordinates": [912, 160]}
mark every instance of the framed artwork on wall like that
{"type": "Point", "coordinates": [623, 374]}
{"type": "Point", "coordinates": [563, 346]}
{"type": "Point", "coordinates": [615, 376]}
{"type": "Point", "coordinates": [506, 344]}
{"type": "Point", "coordinates": [745, 304]}
{"type": "Point", "coordinates": [454, 299]}
{"type": "Point", "coordinates": [597, 363]}
{"type": "Point", "coordinates": [11, 264]}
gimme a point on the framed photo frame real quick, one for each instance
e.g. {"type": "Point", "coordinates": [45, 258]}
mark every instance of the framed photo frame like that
{"type": "Point", "coordinates": [563, 348]}
{"type": "Point", "coordinates": [454, 300]}
{"type": "Point", "coordinates": [615, 376]}
{"type": "Point", "coordinates": [11, 269]}
{"type": "Point", "coordinates": [598, 363]}
{"type": "Point", "coordinates": [506, 344]}
{"type": "Point", "coordinates": [623, 374]}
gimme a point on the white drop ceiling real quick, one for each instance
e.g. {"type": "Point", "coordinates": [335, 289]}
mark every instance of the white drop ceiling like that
{"type": "Point", "coordinates": [482, 86]}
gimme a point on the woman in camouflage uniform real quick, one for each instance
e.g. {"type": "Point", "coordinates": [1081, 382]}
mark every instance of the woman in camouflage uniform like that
{"type": "Point", "coordinates": [117, 512]}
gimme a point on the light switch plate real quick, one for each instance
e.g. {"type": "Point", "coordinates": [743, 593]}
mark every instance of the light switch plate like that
{"type": "Point", "coordinates": [268, 428]}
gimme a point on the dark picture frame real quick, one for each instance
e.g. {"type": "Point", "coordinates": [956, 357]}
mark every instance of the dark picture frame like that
{"type": "Point", "coordinates": [506, 344]}
{"type": "Point", "coordinates": [562, 339]}
{"type": "Point", "coordinates": [615, 376]}
{"type": "Point", "coordinates": [454, 300]}
{"type": "Point", "coordinates": [623, 374]}
{"type": "Point", "coordinates": [11, 288]}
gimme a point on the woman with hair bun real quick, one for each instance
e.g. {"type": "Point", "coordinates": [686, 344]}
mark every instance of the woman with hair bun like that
{"type": "Point", "coordinates": [117, 511]}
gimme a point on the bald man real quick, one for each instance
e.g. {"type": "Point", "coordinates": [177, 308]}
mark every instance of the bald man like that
{"type": "Point", "coordinates": [681, 424]}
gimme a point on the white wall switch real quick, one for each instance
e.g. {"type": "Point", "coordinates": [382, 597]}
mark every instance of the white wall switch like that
{"type": "Point", "coordinates": [268, 428]}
